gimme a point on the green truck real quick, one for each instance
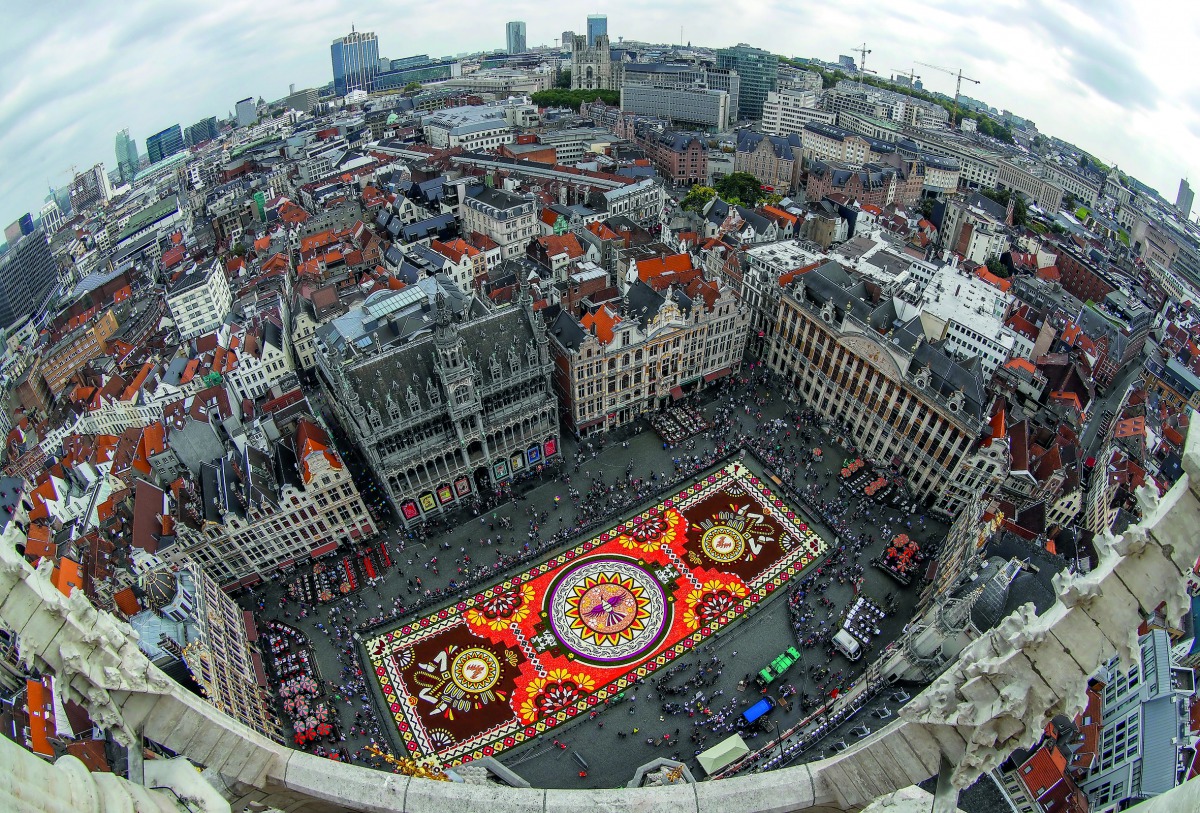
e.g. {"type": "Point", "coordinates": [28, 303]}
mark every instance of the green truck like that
{"type": "Point", "coordinates": [778, 666]}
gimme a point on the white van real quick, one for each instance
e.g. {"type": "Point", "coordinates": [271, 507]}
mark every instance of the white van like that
{"type": "Point", "coordinates": [847, 644]}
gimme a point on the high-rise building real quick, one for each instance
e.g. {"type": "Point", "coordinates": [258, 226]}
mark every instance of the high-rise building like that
{"type": "Point", "coordinates": [127, 156]}
{"type": "Point", "coordinates": [567, 38]}
{"type": "Point", "coordinates": [201, 131]}
{"type": "Point", "coordinates": [302, 100]}
{"type": "Point", "coordinates": [246, 112]}
{"type": "Point", "coordinates": [52, 216]}
{"type": "Point", "coordinates": [1183, 201]}
{"type": "Point", "coordinates": [27, 276]}
{"type": "Point", "coordinates": [90, 186]}
{"type": "Point", "coordinates": [597, 25]}
{"type": "Point", "coordinates": [18, 228]}
{"type": "Point", "coordinates": [165, 143]}
{"type": "Point", "coordinates": [759, 73]}
{"type": "Point", "coordinates": [515, 36]}
{"type": "Point", "coordinates": [355, 62]}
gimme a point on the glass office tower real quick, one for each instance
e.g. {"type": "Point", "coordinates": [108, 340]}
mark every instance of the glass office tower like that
{"type": "Point", "coordinates": [355, 62]}
{"type": "Point", "coordinates": [164, 144]}
{"type": "Point", "coordinates": [597, 25]}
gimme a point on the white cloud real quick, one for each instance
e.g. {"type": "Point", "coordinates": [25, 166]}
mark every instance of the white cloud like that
{"type": "Point", "coordinates": [1114, 78]}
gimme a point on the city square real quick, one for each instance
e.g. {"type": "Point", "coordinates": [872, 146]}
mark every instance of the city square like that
{"type": "Point", "coordinates": [600, 422]}
{"type": "Point", "coordinates": [543, 646]}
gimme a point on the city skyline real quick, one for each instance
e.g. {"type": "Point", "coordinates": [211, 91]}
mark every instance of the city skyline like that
{"type": "Point", "coordinates": [1060, 65]}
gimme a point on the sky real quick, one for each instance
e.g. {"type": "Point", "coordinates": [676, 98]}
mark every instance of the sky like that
{"type": "Point", "coordinates": [1115, 78]}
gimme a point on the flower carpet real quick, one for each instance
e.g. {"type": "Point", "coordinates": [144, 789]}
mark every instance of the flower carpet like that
{"type": "Point", "coordinates": [539, 649]}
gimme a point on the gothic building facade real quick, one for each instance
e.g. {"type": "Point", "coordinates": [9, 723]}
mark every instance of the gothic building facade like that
{"type": "Point", "coordinates": [592, 67]}
{"type": "Point", "coordinates": [452, 416]}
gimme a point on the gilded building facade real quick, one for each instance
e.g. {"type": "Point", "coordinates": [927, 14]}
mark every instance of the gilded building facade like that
{"type": "Point", "coordinates": [628, 358]}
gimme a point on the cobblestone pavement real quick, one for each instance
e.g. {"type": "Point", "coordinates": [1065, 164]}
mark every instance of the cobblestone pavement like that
{"type": "Point", "coordinates": [608, 744]}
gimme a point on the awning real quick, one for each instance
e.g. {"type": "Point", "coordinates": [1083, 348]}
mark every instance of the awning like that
{"type": "Point", "coordinates": [251, 628]}
{"type": "Point", "coordinates": [355, 533]}
{"type": "Point", "coordinates": [321, 550]}
{"type": "Point", "coordinates": [676, 393]}
{"type": "Point", "coordinates": [260, 674]}
{"type": "Point", "coordinates": [724, 371]}
{"type": "Point", "coordinates": [726, 752]}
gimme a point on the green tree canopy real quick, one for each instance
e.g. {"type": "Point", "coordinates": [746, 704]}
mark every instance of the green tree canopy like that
{"type": "Point", "coordinates": [998, 268]}
{"type": "Point", "coordinates": [697, 197]}
{"type": "Point", "coordinates": [1002, 196]}
{"type": "Point", "coordinates": [557, 97]}
{"type": "Point", "coordinates": [564, 79]}
{"type": "Point", "coordinates": [740, 185]}
{"type": "Point", "coordinates": [411, 86]}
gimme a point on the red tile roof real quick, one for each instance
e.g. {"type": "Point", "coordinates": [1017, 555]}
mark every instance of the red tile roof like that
{"type": "Point", "coordinates": [127, 602]}
{"type": "Point", "coordinates": [992, 279]}
{"type": "Point", "coordinates": [602, 231]}
{"type": "Point", "coordinates": [560, 244]}
{"type": "Point", "coordinates": [601, 323]}
{"type": "Point", "coordinates": [1042, 771]}
{"type": "Point", "coordinates": [651, 268]}
{"type": "Point", "coordinates": [786, 278]}
{"type": "Point", "coordinates": [454, 249]}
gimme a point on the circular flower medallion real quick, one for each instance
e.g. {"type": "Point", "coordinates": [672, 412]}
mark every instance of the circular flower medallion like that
{"type": "Point", "coordinates": [723, 544]}
{"type": "Point", "coordinates": [475, 670]}
{"type": "Point", "coordinates": [608, 611]}
{"type": "Point", "coordinates": [502, 608]}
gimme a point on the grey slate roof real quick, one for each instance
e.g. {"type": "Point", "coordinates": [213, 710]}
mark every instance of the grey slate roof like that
{"type": "Point", "coordinates": [567, 331]}
{"type": "Point", "coordinates": [786, 148]}
{"type": "Point", "coordinates": [384, 380]}
{"type": "Point", "coordinates": [829, 283]}
{"type": "Point", "coordinates": [642, 303]}
{"type": "Point", "coordinates": [436, 226]}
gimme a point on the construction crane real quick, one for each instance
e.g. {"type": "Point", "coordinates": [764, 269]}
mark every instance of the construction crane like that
{"type": "Point", "coordinates": [911, 74]}
{"type": "Point", "coordinates": [862, 60]}
{"type": "Point", "coordinates": [957, 85]}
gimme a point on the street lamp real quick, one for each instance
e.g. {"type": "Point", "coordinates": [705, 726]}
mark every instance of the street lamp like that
{"type": "Point", "coordinates": [778, 736]}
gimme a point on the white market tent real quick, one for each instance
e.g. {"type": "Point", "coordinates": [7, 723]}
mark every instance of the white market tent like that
{"type": "Point", "coordinates": [723, 753]}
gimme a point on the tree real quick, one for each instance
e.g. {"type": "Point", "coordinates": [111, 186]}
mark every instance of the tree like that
{"type": "Point", "coordinates": [1020, 211]}
{"type": "Point", "coordinates": [1001, 196]}
{"type": "Point", "coordinates": [996, 267]}
{"type": "Point", "coordinates": [564, 79]}
{"type": "Point", "coordinates": [1068, 201]}
{"type": "Point", "coordinates": [740, 185]}
{"type": "Point", "coordinates": [557, 97]}
{"type": "Point", "coordinates": [698, 197]}
{"type": "Point", "coordinates": [239, 250]}
{"type": "Point", "coordinates": [925, 207]}
{"type": "Point", "coordinates": [412, 86]}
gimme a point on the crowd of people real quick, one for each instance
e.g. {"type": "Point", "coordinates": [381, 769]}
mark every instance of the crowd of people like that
{"type": "Point", "coordinates": [429, 569]}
